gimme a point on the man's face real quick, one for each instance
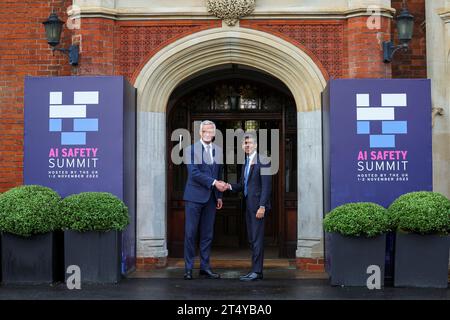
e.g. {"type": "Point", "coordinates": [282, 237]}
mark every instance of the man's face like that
{"type": "Point", "coordinates": [248, 146]}
{"type": "Point", "coordinates": [207, 133]}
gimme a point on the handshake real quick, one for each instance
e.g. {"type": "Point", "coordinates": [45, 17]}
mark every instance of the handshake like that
{"type": "Point", "coordinates": [222, 186]}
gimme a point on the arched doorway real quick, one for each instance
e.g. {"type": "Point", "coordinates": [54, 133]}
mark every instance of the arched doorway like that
{"type": "Point", "coordinates": [293, 65]}
{"type": "Point", "coordinates": [237, 97]}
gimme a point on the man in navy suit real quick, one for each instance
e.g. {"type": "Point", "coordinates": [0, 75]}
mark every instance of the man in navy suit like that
{"type": "Point", "coordinates": [202, 196]}
{"type": "Point", "coordinates": [257, 188]}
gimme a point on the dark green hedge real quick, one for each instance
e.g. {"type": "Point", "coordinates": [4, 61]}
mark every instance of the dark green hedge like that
{"type": "Point", "coordinates": [364, 219]}
{"type": "Point", "coordinates": [421, 212]}
{"type": "Point", "coordinates": [29, 210]}
{"type": "Point", "coordinates": [94, 211]}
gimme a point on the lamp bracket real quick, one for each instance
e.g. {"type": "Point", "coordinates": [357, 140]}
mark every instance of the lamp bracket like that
{"type": "Point", "coordinates": [73, 52]}
{"type": "Point", "coordinates": [389, 49]}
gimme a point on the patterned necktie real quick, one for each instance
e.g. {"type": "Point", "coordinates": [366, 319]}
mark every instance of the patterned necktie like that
{"type": "Point", "coordinates": [208, 158]}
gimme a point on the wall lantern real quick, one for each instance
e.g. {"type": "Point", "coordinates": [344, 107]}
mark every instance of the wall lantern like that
{"type": "Point", "coordinates": [53, 28]}
{"type": "Point", "coordinates": [405, 27]}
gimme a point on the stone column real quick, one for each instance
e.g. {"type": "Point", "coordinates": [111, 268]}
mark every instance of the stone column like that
{"type": "Point", "coordinates": [438, 66]}
{"type": "Point", "coordinates": [309, 252]}
{"type": "Point", "coordinates": [151, 187]}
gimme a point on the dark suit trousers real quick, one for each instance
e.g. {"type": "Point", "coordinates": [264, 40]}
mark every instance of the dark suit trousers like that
{"type": "Point", "coordinates": [199, 218]}
{"type": "Point", "coordinates": [255, 233]}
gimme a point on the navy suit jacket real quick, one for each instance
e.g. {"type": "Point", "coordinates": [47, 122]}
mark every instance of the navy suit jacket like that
{"type": "Point", "coordinates": [259, 187]}
{"type": "Point", "coordinates": [202, 175]}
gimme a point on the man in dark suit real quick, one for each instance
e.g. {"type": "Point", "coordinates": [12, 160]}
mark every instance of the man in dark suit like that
{"type": "Point", "coordinates": [202, 196]}
{"type": "Point", "coordinates": [257, 188]}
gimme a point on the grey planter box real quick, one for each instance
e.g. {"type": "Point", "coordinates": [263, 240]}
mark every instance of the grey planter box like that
{"type": "Point", "coordinates": [98, 254]}
{"type": "Point", "coordinates": [29, 260]}
{"type": "Point", "coordinates": [349, 258]}
{"type": "Point", "coordinates": [421, 260]}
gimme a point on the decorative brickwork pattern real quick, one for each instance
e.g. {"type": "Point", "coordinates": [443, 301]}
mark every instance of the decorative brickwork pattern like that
{"type": "Point", "coordinates": [325, 39]}
{"type": "Point", "coordinates": [138, 42]}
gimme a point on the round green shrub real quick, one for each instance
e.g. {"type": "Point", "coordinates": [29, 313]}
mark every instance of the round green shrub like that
{"type": "Point", "coordinates": [364, 219]}
{"type": "Point", "coordinates": [94, 211]}
{"type": "Point", "coordinates": [422, 212]}
{"type": "Point", "coordinates": [29, 210]}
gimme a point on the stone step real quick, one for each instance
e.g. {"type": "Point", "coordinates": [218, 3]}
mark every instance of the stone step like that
{"type": "Point", "coordinates": [235, 263]}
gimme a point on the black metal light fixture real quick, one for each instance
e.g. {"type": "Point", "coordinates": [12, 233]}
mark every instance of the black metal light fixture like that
{"type": "Point", "coordinates": [53, 29]}
{"type": "Point", "coordinates": [405, 27]}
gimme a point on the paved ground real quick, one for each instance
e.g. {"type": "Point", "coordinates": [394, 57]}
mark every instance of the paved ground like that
{"type": "Point", "coordinates": [168, 285]}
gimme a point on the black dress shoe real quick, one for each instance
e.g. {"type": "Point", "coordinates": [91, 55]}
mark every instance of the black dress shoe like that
{"type": "Point", "coordinates": [188, 275]}
{"type": "Point", "coordinates": [252, 277]}
{"type": "Point", "coordinates": [246, 276]}
{"type": "Point", "coordinates": [208, 274]}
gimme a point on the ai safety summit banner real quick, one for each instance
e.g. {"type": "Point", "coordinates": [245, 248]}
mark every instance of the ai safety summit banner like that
{"type": "Point", "coordinates": [377, 144]}
{"type": "Point", "coordinates": [377, 140]}
{"type": "Point", "coordinates": [80, 137]}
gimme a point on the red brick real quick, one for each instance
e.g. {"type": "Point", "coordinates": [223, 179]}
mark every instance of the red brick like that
{"type": "Point", "coordinates": [146, 264]}
{"type": "Point", "coordinates": [315, 267]}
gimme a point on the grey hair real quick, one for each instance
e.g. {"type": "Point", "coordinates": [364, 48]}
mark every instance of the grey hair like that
{"type": "Point", "coordinates": [250, 135]}
{"type": "Point", "coordinates": [207, 122]}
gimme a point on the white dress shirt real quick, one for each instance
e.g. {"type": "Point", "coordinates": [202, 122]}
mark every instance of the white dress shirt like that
{"type": "Point", "coordinates": [210, 153]}
{"type": "Point", "coordinates": [250, 161]}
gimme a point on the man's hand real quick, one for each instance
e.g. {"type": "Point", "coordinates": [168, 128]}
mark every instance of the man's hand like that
{"type": "Point", "coordinates": [260, 213]}
{"type": "Point", "coordinates": [219, 204]}
{"type": "Point", "coordinates": [221, 186]}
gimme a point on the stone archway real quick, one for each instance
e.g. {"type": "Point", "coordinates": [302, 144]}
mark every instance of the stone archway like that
{"type": "Point", "coordinates": [297, 69]}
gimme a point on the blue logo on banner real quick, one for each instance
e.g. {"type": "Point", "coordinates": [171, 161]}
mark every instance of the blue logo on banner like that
{"type": "Point", "coordinates": [366, 114]}
{"type": "Point", "coordinates": [76, 112]}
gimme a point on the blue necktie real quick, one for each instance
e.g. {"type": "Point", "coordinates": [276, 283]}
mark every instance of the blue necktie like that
{"type": "Point", "coordinates": [246, 172]}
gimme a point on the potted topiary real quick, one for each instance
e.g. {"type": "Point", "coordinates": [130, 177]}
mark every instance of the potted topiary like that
{"type": "Point", "coordinates": [356, 240]}
{"type": "Point", "coordinates": [422, 222]}
{"type": "Point", "coordinates": [93, 222]}
{"type": "Point", "coordinates": [29, 215]}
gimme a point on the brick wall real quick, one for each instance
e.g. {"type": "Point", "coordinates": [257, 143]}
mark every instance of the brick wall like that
{"type": "Point", "coordinates": [413, 63]}
{"type": "Point", "coordinates": [311, 264]}
{"type": "Point", "coordinates": [365, 54]}
{"type": "Point", "coordinates": [147, 264]}
{"type": "Point", "coordinates": [23, 52]}
{"type": "Point", "coordinates": [97, 47]}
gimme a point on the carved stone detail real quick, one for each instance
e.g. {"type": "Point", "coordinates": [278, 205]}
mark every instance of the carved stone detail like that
{"type": "Point", "coordinates": [230, 10]}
